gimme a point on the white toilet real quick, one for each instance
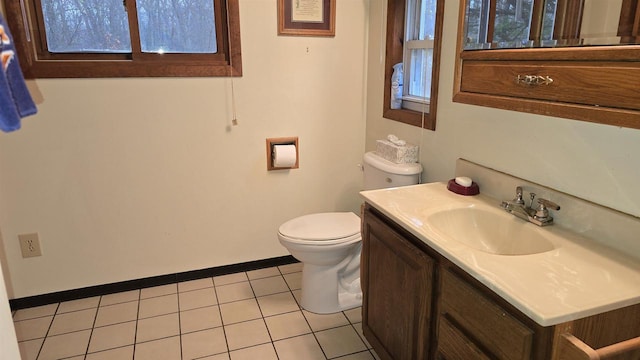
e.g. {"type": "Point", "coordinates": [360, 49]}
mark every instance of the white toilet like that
{"type": "Point", "coordinates": [328, 244]}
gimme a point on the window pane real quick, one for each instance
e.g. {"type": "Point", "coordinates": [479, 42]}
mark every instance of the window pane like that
{"type": "Point", "coordinates": [420, 69]}
{"type": "Point", "coordinates": [421, 19]}
{"type": "Point", "coordinates": [177, 26]}
{"type": "Point", "coordinates": [418, 50]}
{"type": "Point", "coordinates": [86, 26]}
{"type": "Point", "coordinates": [513, 20]}
{"type": "Point", "coordinates": [427, 20]}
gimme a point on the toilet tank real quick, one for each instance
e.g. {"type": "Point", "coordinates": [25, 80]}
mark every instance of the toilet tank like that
{"type": "Point", "coordinates": [381, 173]}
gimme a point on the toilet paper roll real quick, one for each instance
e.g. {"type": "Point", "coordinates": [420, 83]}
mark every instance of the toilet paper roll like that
{"type": "Point", "coordinates": [284, 155]}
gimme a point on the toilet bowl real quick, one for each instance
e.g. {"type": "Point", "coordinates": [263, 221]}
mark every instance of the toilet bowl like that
{"type": "Point", "coordinates": [328, 244]}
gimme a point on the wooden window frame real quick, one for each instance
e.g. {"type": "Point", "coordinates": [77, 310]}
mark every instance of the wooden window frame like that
{"type": "Point", "coordinates": [27, 28]}
{"type": "Point", "coordinates": [394, 55]}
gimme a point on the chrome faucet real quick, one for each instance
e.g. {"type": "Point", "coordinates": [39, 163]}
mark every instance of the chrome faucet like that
{"type": "Point", "coordinates": [538, 215]}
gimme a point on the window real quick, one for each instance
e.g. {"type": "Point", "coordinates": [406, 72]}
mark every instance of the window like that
{"type": "Point", "coordinates": [414, 31]}
{"type": "Point", "coordinates": [120, 38]}
{"type": "Point", "coordinates": [420, 26]}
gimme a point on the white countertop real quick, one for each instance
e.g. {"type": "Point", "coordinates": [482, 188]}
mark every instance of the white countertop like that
{"type": "Point", "coordinates": [578, 278]}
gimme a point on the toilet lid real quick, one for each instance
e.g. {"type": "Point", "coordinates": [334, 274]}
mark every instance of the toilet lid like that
{"type": "Point", "coordinates": [322, 226]}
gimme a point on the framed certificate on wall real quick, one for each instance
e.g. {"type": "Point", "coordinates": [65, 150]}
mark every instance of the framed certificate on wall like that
{"type": "Point", "coordinates": [307, 17]}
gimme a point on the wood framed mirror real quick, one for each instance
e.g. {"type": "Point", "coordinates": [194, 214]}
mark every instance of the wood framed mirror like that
{"type": "Point", "coordinates": [556, 65]}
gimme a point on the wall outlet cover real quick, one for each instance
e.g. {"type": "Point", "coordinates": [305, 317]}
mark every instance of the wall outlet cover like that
{"type": "Point", "coordinates": [30, 245]}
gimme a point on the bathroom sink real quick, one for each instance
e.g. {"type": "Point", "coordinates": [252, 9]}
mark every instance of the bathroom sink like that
{"type": "Point", "coordinates": [491, 231]}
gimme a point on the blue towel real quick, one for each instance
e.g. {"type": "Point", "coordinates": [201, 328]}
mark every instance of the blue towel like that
{"type": "Point", "coordinates": [15, 100]}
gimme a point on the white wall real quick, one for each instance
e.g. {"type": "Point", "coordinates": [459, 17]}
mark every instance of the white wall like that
{"type": "Point", "coordinates": [595, 162]}
{"type": "Point", "coordinates": [129, 178]}
{"type": "Point", "coordinates": [8, 341]}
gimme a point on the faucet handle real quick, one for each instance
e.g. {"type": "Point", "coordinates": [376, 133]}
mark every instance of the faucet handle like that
{"type": "Point", "coordinates": [542, 212]}
{"type": "Point", "coordinates": [548, 204]}
{"type": "Point", "coordinates": [518, 199]}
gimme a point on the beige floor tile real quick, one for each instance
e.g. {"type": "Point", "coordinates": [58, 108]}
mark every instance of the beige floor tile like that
{"type": "Point", "coordinates": [300, 347]}
{"type": "Point", "coordinates": [269, 285]}
{"type": "Point", "coordinates": [297, 294]}
{"type": "Point", "coordinates": [158, 327]}
{"type": "Point", "coordinates": [203, 343]}
{"type": "Point", "coordinates": [223, 356]}
{"type": "Point", "coordinates": [240, 311]}
{"type": "Point", "coordinates": [197, 299]}
{"type": "Point", "coordinates": [156, 291]}
{"type": "Point", "coordinates": [112, 336]}
{"type": "Point", "coordinates": [262, 352]}
{"type": "Point", "coordinates": [290, 268]}
{"type": "Point", "coordinates": [200, 319]}
{"type": "Point", "coordinates": [160, 305]}
{"type": "Point", "coordinates": [277, 304]}
{"type": "Point", "coordinates": [287, 325]}
{"type": "Point", "coordinates": [234, 292]}
{"type": "Point", "coordinates": [35, 312]}
{"type": "Point", "coordinates": [64, 346]}
{"type": "Point", "coordinates": [246, 334]}
{"type": "Point", "coordinates": [118, 298]}
{"type": "Point", "coordinates": [29, 349]}
{"type": "Point", "coordinates": [294, 280]}
{"type": "Point", "coordinates": [230, 278]}
{"type": "Point", "coordinates": [340, 341]}
{"type": "Point", "coordinates": [195, 284]}
{"type": "Point", "coordinates": [320, 322]}
{"type": "Point", "coordinates": [32, 328]}
{"type": "Point", "coordinates": [204, 308]}
{"type": "Point", "coordinates": [262, 273]}
{"type": "Point", "coordinates": [123, 353]}
{"type": "Point", "coordinates": [80, 304]}
{"type": "Point", "coordinates": [73, 321]}
{"type": "Point", "coordinates": [113, 314]}
{"type": "Point", "coordinates": [354, 315]}
{"type": "Point", "coordinates": [358, 327]}
{"type": "Point", "coordinates": [365, 355]}
{"type": "Point", "coordinates": [165, 349]}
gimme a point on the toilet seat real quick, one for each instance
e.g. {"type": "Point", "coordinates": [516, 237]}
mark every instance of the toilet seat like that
{"type": "Point", "coordinates": [322, 229]}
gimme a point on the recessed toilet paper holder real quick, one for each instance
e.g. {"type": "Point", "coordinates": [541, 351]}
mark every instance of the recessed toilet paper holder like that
{"type": "Point", "coordinates": [271, 142]}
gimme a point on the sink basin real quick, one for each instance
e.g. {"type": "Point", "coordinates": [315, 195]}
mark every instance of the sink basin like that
{"type": "Point", "coordinates": [491, 231]}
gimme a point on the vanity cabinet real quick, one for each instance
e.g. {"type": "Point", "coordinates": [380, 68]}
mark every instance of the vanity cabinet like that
{"type": "Point", "coordinates": [470, 321]}
{"type": "Point", "coordinates": [397, 279]}
{"type": "Point", "coordinates": [419, 305]}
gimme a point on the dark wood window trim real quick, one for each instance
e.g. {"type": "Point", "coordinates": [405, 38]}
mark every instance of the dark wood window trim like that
{"type": "Point", "coordinates": [37, 62]}
{"type": "Point", "coordinates": [394, 55]}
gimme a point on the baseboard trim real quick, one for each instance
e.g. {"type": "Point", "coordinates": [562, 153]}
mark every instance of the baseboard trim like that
{"type": "Point", "coordinates": [98, 290]}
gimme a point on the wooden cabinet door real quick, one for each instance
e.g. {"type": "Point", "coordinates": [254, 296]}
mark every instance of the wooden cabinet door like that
{"type": "Point", "coordinates": [488, 325]}
{"type": "Point", "coordinates": [397, 280]}
{"type": "Point", "coordinates": [453, 344]}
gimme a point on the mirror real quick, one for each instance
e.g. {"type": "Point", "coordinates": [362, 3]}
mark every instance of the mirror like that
{"type": "Point", "coordinates": [501, 24]}
{"type": "Point", "coordinates": [574, 59]}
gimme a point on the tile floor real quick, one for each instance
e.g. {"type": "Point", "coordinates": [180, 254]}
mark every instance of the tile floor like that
{"type": "Point", "coordinates": [247, 315]}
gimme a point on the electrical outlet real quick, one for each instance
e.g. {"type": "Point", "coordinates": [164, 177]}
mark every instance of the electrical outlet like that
{"type": "Point", "coordinates": [30, 245]}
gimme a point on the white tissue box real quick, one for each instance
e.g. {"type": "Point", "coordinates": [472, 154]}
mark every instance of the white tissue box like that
{"type": "Point", "coordinates": [404, 154]}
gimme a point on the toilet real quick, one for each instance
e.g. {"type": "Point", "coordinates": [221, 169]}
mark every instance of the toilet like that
{"type": "Point", "coordinates": [328, 244]}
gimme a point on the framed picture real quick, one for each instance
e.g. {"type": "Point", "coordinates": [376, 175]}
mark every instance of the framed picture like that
{"type": "Point", "coordinates": [307, 17]}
